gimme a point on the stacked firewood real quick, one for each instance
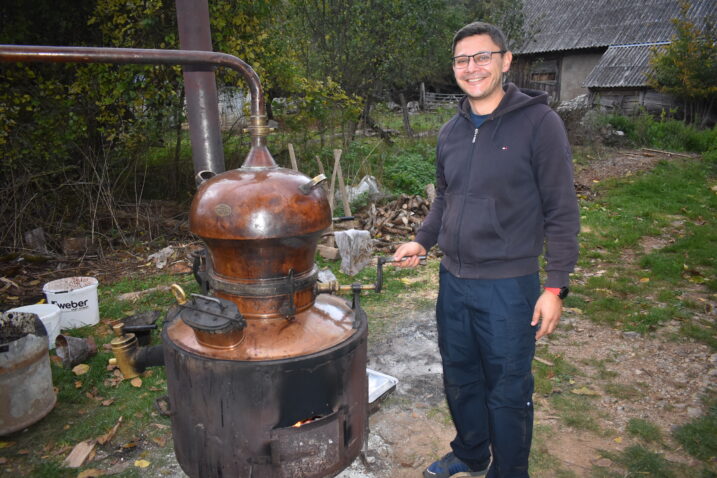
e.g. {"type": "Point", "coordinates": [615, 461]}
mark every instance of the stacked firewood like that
{"type": "Point", "coordinates": [395, 221]}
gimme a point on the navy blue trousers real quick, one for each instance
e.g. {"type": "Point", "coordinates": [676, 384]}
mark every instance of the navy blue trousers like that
{"type": "Point", "coordinates": [487, 346]}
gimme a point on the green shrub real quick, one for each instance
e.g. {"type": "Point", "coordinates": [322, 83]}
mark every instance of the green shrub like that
{"type": "Point", "coordinates": [409, 173]}
{"type": "Point", "coordinates": [663, 133]}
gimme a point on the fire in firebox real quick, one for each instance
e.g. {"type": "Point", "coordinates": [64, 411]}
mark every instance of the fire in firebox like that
{"type": "Point", "coordinates": [304, 422]}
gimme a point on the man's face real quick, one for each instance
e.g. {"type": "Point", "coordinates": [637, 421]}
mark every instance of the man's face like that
{"type": "Point", "coordinates": [481, 82]}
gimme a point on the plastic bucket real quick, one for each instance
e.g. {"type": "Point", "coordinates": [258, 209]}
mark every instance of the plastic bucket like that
{"type": "Point", "coordinates": [49, 315]}
{"type": "Point", "coordinates": [77, 299]}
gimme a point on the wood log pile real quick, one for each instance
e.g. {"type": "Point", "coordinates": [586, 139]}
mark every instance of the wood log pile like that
{"type": "Point", "coordinates": [394, 222]}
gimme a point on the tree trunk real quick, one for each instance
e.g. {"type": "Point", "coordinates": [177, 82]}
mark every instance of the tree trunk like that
{"type": "Point", "coordinates": [406, 119]}
{"type": "Point", "coordinates": [706, 113]}
{"type": "Point", "coordinates": [371, 124]}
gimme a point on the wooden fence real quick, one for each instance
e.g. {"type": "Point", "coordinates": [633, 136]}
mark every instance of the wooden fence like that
{"type": "Point", "coordinates": [430, 100]}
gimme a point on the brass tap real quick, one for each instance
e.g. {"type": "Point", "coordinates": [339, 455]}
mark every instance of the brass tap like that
{"type": "Point", "coordinates": [124, 348]}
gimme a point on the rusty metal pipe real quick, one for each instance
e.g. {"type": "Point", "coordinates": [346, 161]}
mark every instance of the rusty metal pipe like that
{"type": "Point", "coordinates": [200, 88]}
{"type": "Point", "coordinates": [258, 128]}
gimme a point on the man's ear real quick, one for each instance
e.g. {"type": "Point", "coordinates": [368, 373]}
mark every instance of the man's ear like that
{"type": "Point", "coordinates": [507, 60]}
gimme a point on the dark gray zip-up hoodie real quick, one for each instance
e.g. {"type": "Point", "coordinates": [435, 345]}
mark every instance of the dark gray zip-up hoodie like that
{"type": "Point", "coordinates": [503, 191]}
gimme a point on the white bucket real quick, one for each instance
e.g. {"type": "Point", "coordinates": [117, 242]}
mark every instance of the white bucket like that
{"type": "Point", "coordinates": [49, 315]}
{"type": "Point", "coordinates": [77, 299]}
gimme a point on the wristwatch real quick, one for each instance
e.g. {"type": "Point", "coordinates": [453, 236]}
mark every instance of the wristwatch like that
{"type": "Point", "coordinates": [561, 292]}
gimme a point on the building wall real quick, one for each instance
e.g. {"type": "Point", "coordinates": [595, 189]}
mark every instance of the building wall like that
{"type": "Point", "coordinates": [574, 68]}
{"type": "Point", "coordinates": [632, 101]}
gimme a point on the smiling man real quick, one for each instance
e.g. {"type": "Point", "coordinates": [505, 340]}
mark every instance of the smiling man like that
{"type": "Point", "coordinates": [504, 193]}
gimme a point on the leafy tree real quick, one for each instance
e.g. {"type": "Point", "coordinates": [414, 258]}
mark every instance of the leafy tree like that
{"type": "Point", "coordinates": [507, 14]}
{"type": "Point", "coordinates": [370, 47]}
{"type": "Point", "coordinates": [687, 67]}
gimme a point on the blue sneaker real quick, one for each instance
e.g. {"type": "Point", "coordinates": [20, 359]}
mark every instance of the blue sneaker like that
{"type": "Point", "coordinates": [450, 466]}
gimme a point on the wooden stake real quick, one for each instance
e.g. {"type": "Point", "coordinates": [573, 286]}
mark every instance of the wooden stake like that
{"type": "Point", "coordinates": [321, 165]}
{"type": "Point", "coordinates": [294, 166]}
{"type": "Point", "coordinates": [342, 186]}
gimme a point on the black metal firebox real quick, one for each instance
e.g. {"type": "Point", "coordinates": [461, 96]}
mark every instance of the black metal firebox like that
{"type": "Point", "coordinates": [299, 417]}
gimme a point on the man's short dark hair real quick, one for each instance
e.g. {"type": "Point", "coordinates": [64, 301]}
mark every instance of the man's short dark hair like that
{"type": "Point", "coordinates": [481, 28]}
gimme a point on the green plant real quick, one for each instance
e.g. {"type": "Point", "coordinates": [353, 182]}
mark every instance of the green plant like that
{"type": "Point", "coordinates": [409, 173]}
{"type": "Point", "coordinates": [575, 411]}
{"type": "Point", "coordinates": [699, 437]}
{"type": "Point", "coordinates": [663, 133]}
{"type": "Point", "coordinates": [639, 461]}
{"type": "Point", "coordinates": [644, 430]}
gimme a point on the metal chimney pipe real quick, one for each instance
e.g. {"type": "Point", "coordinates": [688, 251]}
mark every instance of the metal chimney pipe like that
{"type": "Point", "coordinates": [200, 88]}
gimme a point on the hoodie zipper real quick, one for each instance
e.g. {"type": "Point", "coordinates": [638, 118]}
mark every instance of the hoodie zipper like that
{"type": "Point", "coordinates": [463, 206]}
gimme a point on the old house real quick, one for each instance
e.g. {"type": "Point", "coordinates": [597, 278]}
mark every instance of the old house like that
{"type": "Point", "coordinates": [600, 48]}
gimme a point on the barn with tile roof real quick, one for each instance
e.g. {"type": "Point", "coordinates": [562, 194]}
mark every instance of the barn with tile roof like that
{"type": "Point", "coordinates": [599, 47]}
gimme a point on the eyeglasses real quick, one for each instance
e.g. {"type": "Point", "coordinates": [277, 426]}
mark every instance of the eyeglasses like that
{"type": "Point", "coordinates": [481, 58]}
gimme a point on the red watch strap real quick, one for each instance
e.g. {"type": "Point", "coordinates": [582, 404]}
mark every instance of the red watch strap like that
{"type": "Point", "coordinates": [553, 290]}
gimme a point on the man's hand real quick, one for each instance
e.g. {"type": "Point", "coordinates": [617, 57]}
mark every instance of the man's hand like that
{"type": "Point", "coordinates": [411, 251]}
{"type": "Point", "coordinates": [547, 310]}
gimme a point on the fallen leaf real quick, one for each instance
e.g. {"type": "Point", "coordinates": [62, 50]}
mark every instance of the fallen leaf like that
{"type": "Point", "coordinates": [136, 382]}
{"type": "Point", "coordinates": [23, 452]}
{"type": "Point", "coordinates": [129, 445]}
{"type": "Point", "coordinates": [110, 434]}
{"type": "Point", "coordinates": [6, 444]}
{"type": "Point", "coordinates": [3, 460]}
{"type": "Point", "coordinates": [81, 369]}
{"type": "Point", "coordinates": [618, 440]}
{"type": "Point", "coordinates": [78, 383]}
{"type": "Point", "coordinates": [91, 473]}
{"type": "Point", "coordinates": [645, 279]}
{"type": "Point", "coordinates": [161, 441]}
{"type": "Point", "coordinates": [141, 463]}
{"type": "Point", "coordinates": [585, 391]}
{"type": "Point", "coordinates": [56, 360]}
{"type": "Point", "coordinates": [107, 403]}
{"type": "Point", "coordinates": [80, 454]}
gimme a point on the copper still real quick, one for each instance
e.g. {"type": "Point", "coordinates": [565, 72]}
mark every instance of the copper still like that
{"type": "Point", "coordinates": [266, 377]}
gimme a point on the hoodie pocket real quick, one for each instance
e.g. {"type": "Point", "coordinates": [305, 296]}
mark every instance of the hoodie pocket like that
{"type": "Point", "coordinates": [449, 222]}
{"type": "Point", "coordinates": [481, 236]}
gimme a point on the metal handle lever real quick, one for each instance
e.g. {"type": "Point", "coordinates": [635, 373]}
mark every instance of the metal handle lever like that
{"type": "Point", "coordinates": [379, 269]}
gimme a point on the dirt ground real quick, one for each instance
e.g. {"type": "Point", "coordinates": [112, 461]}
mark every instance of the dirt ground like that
{"type": "Point", "coordinates": [412, 427]}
